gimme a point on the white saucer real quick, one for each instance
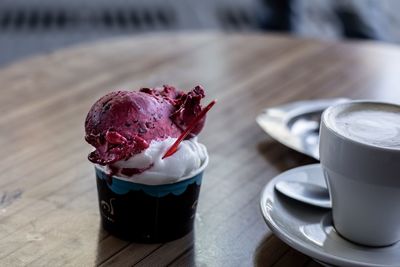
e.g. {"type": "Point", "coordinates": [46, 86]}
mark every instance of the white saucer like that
{"type": "Point", "coordinates": [296, 124]}
{"type": "Point", "coordinates": [309, 229]}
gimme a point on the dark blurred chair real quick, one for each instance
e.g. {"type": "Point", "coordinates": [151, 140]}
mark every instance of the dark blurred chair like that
{"type": "Point", "coordinates": [37, 26]}
{"type": "Point", "coordinates": [280, 15]}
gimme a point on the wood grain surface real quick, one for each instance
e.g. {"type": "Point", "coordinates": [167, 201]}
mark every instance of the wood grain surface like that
{"type": "Point", "coordinates": [48, 202]}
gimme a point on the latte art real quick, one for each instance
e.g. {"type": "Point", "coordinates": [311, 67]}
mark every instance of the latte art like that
{"type": "Point", "coordinates": [376, 124]}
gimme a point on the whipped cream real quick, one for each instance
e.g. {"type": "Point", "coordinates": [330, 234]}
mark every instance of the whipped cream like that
{"type": "Point", "coordinates": [190, 158]}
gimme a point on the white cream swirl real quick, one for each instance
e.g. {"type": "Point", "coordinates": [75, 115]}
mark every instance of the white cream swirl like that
{"type": "Point", "coordinates": [184, 163]}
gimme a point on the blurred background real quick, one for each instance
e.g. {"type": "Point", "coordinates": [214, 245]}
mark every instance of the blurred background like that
{"type": "Point", "coordinates": [39, 26]}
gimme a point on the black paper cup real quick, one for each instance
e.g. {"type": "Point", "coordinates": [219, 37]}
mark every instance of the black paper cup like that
{"type": "Point", "coordinates": [148, 213]}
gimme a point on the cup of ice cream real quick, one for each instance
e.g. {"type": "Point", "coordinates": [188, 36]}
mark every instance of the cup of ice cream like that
{"type": "Point", "coordinates": [143, 196]}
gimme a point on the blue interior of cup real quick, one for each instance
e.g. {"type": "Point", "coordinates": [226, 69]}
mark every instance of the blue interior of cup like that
{"type": "Point", "coordinates": [121, 187]}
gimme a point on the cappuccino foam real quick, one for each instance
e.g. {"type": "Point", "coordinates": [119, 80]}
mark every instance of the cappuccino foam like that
{"type": "Point", "coordinates": [376, 124]}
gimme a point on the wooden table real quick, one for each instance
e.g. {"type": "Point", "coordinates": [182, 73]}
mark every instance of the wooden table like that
{"type": "Point", "coordinates": [48, 201]}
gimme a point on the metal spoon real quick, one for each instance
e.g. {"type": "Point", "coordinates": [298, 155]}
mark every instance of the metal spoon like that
{"type": "Point", "coordinates": [309, 193]}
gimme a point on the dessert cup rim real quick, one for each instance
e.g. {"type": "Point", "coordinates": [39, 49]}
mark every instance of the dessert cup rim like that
{"type": "Point", "coordinates": [184, 178]}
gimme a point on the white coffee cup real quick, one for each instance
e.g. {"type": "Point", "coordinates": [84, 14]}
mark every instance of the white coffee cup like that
{"type": "Point", "coordinates": [362, 169]}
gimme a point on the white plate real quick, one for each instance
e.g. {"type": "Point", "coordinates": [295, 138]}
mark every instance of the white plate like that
{"type": "Point", "coordinates": [309, 229]}
{"type": "Point", "coordinates": [296, 124]}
